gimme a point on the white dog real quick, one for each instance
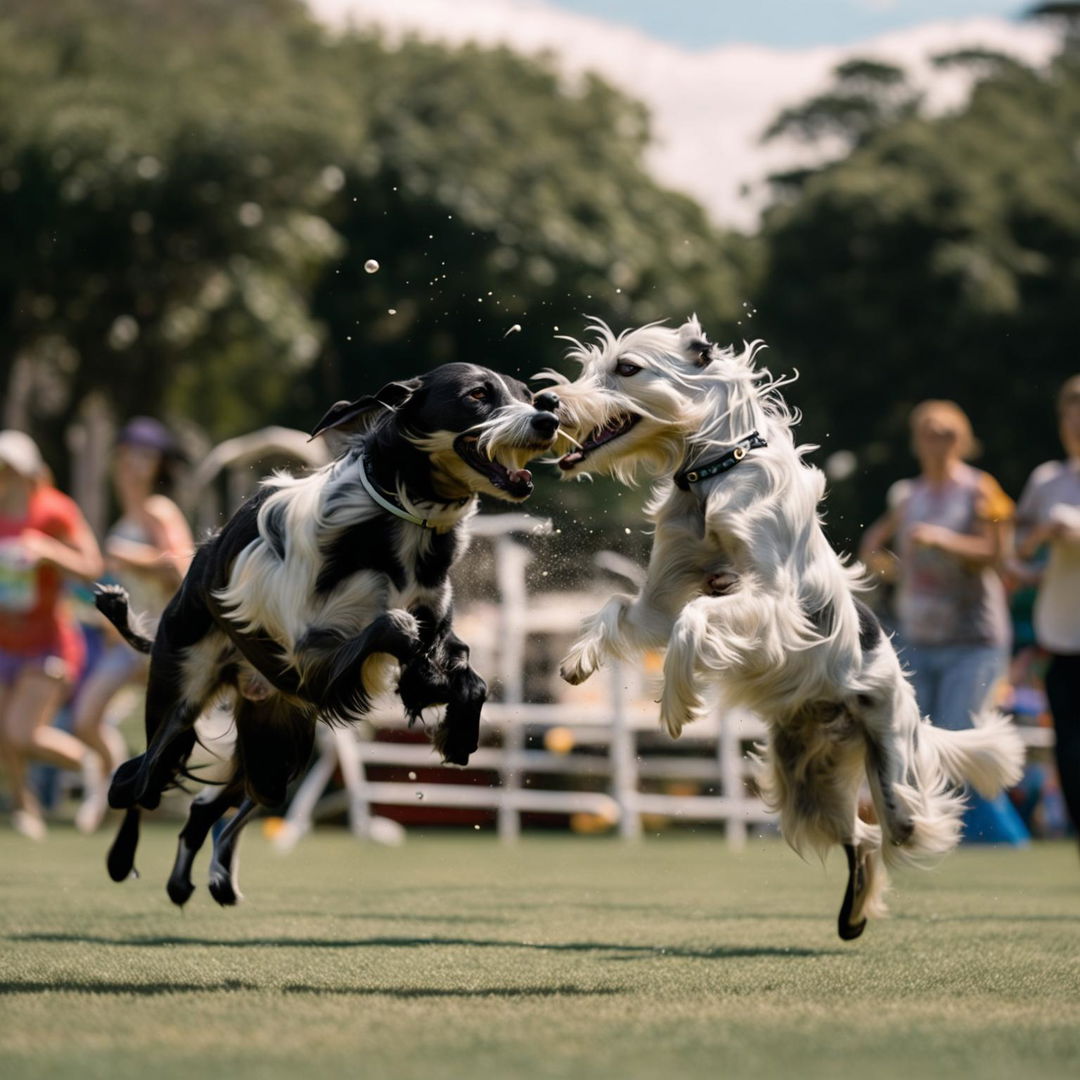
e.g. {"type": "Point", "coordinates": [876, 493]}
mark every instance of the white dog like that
{"type": "Point", "coordinates": [744, 588]}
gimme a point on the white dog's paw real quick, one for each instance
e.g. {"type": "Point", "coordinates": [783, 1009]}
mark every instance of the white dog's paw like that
{"type": "Point", "coordinates": [677, 711]}
{"type": "Point", "coordinates": [581, 661]}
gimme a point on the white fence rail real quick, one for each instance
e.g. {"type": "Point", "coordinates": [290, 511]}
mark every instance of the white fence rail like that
{"type": "Point", "coordinates": [608, 726]}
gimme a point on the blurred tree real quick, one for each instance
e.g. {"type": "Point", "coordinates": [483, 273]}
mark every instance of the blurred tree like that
{"type": "Point", "coordinates": [192, 191]}
{"type": "Point", "coordinates": [162, 172]}
{"type": "Point", "coordinates": [867, 96]}
{"type": "Point", "coordinates": [939, 259]}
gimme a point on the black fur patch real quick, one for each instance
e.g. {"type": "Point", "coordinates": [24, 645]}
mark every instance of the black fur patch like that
{"type": "Point", "coordinates": [434, 564]}
{"type": "Point", "coordinates": [367, 546]}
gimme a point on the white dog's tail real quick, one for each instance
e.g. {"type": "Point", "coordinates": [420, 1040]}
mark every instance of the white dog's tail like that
{"type": "Point", "coordinates": [934, 763]}
{"type": "Point", "coordinates": [988, 756]}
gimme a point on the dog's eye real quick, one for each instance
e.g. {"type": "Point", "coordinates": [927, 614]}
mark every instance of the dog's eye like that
{"type": "Point", "coordinates": [625, 368]}
{"type": "Point", "coordinates": [479, 394]}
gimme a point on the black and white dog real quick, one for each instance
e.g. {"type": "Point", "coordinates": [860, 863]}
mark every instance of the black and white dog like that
{"type": "Point", "coordinates": [744, 590]}
{"type": "Point", "coordinates": [319, 589]}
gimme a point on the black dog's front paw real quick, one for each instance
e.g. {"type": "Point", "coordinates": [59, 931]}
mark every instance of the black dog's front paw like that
{"type": "Point", "coordinates": [422, 686]}
{"type": "Point", "coordinates": [454, 746]}
{"type": "Point", "coordinates": [458, 736]}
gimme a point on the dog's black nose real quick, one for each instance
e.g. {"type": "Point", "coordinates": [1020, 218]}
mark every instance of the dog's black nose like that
{"type": "Point", "coordinates": [546, 401]}
{"type": "Point", "coordinates": [545, 423]}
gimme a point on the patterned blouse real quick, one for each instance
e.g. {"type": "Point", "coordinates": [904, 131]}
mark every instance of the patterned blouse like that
{"type": "Point", "coordinates": [944, 599]}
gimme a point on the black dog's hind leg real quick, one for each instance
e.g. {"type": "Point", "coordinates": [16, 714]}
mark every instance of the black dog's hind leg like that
{"type": "Point", "coordinates": [142, 779]}
{"type": "Point", "coordinates": [206, 810]}
{"type": "Point", "coordinates": [274, 739]}
{"type": "Point", "coordinates": [223, 861]}
{"type": "Point", "coordinates": [120, 861]}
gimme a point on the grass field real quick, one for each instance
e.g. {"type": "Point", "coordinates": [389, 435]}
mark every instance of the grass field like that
{"type": "Point", "coordinates": [562, 957]}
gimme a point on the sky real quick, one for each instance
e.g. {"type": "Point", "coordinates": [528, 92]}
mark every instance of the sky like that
{"type": "Point", "coordinates": [704, 24]}
{"type": "Point", "coordinates": [713, 83]}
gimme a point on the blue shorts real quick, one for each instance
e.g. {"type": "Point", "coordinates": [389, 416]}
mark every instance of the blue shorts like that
{"type": "Point", "coordinates": [50, 663]}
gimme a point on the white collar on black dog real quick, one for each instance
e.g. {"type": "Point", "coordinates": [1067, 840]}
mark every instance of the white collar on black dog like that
{"type": "Point", "coordinates": [394, 507]}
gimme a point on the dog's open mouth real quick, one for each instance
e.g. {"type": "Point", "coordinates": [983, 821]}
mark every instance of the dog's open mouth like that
{"type": "Point", "coordinates": [515, 482]}
{"type": "Point", "coordinates": [598, 437]}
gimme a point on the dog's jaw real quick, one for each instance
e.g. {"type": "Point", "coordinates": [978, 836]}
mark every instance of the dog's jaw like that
{"type": "Point", "coordinates": [598, 439]}
{"type": "Point", "coordinates": [513, 481]}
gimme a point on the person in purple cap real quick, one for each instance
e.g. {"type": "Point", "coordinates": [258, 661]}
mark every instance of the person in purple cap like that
{"type": "Point", "coordinates": [147, 551]}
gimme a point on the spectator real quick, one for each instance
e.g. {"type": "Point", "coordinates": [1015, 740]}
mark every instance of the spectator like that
{"type": "Point", "coordinates": [951, 527]}
{"type": "Point", "coordinates": [1049, 514]}
{"type": "Point", "coordinates": [43, 537]}
{"type": "Point", "coordinates": [147, 551]}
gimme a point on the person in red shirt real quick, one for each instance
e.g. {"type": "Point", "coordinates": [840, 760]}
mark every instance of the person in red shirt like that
{"type": "Point", "coordinates": [43, 537]}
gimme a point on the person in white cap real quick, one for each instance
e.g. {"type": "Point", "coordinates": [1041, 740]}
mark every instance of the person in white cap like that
{"type": "Point", "coordinates": [43, 538]}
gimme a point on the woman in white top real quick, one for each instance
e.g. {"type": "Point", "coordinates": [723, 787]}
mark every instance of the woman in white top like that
{"type": "Point", "coordinates": [147, 551]}
{"type": "Point", "coordinates": [1049, 514]}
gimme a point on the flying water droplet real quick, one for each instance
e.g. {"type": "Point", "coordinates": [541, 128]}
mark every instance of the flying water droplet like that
{"type": "Point", "coordinates": [372, 266]}
{"type": "Point", "coordinates": [515, 329]}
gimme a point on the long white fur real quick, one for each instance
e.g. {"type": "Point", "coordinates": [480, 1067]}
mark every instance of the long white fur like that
{"type": "Point", "coordinates": [760, 521]}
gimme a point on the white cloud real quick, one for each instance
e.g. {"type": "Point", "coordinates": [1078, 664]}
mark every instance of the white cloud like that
{"type": "Point", "coordinates": [709, 108]}
{"type": "Point", "coordinates": [874, 5]}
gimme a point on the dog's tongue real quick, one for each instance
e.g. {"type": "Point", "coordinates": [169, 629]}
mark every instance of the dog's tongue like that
{"type": "Point", "coordinates": [568, 460]}
{"type": "Point", "coordinates": [519, 476]}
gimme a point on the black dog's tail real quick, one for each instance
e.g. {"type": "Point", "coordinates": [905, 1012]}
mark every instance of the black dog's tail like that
{"type": "Point", "coordinates": [112, 601]}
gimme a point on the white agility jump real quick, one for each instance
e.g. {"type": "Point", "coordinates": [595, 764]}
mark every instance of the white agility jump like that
{"type": "Point", "coordinates": [606, 721]}
{"type": "Point", "coordinates": [604, 725]}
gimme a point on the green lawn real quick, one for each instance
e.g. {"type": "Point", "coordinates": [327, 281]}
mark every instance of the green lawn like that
{"type": "Point", "coordinates": [562, 957]}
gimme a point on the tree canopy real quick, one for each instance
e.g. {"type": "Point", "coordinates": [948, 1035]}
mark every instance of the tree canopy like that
{"type": "Point", "coordinates": [194, 197]}
{"type": "Point", "coordinates": [191, 193]}
{"type": "Point", "coordinates": [936, 259]}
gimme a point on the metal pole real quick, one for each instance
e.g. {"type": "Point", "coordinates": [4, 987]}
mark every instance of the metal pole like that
{"type": "Point", "coordinates": [623, 751]}
{"type": "Point", "coordinates": [511, 558]}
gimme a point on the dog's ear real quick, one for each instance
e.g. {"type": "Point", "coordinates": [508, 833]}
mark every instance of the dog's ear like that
{"type": "Point", "coordinates": [692, 338]}
{"type": "Point", "coordinates": [353, 417]}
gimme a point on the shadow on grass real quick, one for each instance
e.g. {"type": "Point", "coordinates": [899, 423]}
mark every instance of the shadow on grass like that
{"type": "Point", "coordinates": [392, 916]}
{"type": "Point", "coordinates": [405, 992]}
{"type": "Point", "coordinates": [142, 989]}
{"type": "Point", "coordinates": [620, 951]}
{"type": "Point", "coordinates": [8, 989]}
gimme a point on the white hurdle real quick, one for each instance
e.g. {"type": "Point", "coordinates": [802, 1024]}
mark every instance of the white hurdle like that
{"type": "Point", "coordinates": [610, 728]}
